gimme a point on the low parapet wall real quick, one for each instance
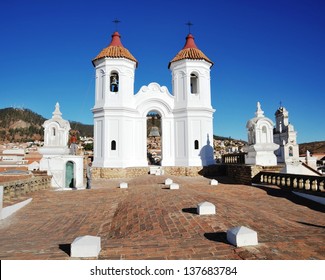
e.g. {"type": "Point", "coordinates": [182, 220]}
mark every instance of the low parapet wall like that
{"type": "Point", "coordinates": [239, 173]}
{"type": "Point", "coordinates": [132, 172]}
{"type": "Point", "coordinates": [16, 189]}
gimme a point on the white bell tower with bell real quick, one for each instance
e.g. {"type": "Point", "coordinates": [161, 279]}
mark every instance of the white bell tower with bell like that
{"type": "Point", "coordinates": [120, 115]}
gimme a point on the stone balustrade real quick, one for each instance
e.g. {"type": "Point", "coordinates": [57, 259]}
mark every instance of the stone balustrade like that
{"type": "Point", "coordinates": [314, 185]}
{"type": "Point", "coordinates": [16, 189]}
{"type": "Point", "coordinates": [238, 158]}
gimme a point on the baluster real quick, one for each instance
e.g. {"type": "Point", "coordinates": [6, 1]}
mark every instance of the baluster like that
{"type": "Point", "coordinates": [314, 186]}
{"type": "Point", "coordinates": [283, 181]}
{"type": "Point", "coordinates": [307, 184]}
{"type": "Point", "coordinates": [273, 180]}
{"type": "Point", "coordinates": [295, 183]}
{"type": "Point", "coordinates": [301, 183]}
{"type": "Point", "coordinates": [265, 178]}
{"type": "Point", "coordinates": [288, 182]}
{"type": "Point", "coordinates": [17, 190]}
{"type": "Point", "coordinates": [12, 191]}
{"type": "Point", "coordinates": [321, 186]}
{"type": "Point", "coordinates": [278, 181]}
{"type": "Point", "coordinates": [269, 179]}
{"type": "Point", "coordinates": [261, 179]}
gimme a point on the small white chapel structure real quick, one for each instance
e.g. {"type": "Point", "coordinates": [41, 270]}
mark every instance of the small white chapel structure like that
{"type": "Point", "coordinates": [66, 170]}
{"type": "Point", "coordinates": [260, 140]}
{"type": "Point", "coordinates": [120, 116]}
{"type": "Point", "coordinates": [288, 153]}
{"type": "Point", "coordinates": [286, 137]}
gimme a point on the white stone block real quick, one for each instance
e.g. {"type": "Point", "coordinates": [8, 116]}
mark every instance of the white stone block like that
{"type": "Point", "coordinates": [86, 247]}
{"type": "Point", "coordinates": [206, 208]}
{"type": "Point", "coordinates": [174, 186]}
{"type": "Point", "coordinates": [158, 172]}
{"type": "Point", "coordinates": [242, 236]}
{"type": "Point", "coordinates": [168, 181]}
{"type": "Point", "coordinates": [123, 185]}
{"type": "Point", "coordinates": [214, 182]}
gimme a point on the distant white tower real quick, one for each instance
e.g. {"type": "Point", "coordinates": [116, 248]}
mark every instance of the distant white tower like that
{"type": "Point", "coordinates": [260, 140]}
{"type": "Point", "coordinates": [286, 137]}
{"type": "Point", "coordinates": [66, 170]}
{"type": "Point", "coordinates": [56, 134]}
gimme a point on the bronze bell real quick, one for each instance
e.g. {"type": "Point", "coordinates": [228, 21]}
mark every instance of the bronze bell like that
{"type": "Point", "coordinates": [154, 132]}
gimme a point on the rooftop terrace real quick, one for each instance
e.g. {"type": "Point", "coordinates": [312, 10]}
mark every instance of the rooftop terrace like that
{"type": "Point", "coordinates": [149, 221]}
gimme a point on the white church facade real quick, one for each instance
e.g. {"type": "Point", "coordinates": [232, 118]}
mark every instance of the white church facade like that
{"type": "Point", "coordinates": [120, 115]}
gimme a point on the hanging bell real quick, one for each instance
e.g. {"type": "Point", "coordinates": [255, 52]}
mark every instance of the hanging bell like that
{"type": "Point", "coordinates": [113, 80]}
{"type": "Point", "coordinates": [154, 132]}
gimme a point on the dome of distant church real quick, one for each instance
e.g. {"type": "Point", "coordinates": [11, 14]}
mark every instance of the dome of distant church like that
{"type": "Point", "coordinates": [190, 51]}
{"type": "Point", "coordinates": [115, 50]}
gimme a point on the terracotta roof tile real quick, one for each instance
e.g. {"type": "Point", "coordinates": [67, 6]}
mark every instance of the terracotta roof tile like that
{"type": "Point", "coordinates": [190, 51]}
{"type": "Point", "coordinates": [115, 50]}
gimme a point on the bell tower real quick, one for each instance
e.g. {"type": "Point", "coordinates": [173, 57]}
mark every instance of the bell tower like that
{"type": "Point", "coordinates": [114, 89]}
{"type": "Point", "coordinates": [193, 111]}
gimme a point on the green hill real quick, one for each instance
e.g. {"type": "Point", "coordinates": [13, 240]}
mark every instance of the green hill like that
{"type": "Point", "coordinates": [22, 125]}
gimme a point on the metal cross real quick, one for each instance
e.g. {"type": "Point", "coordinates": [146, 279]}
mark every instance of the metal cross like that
{"type": "Point", "coordinates": [189, 26]}
{"type": "Point", "coordinates": [116, 21]}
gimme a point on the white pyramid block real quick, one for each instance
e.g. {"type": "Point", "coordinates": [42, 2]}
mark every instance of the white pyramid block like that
{"type": "Point", "coordinates": [174, 186]}
{"type": "Point", "coordinates": [85, 246]}
{"type": "Point", "coordinates": [242, 236]}
{"type": "Point", "coordinates": [168, 182]}
{"type": "Point", "coordinates": [214, 182]}
{"type": "Point", "coordinates": [123, 185]}
{"type": "Point", "coordinates": [206, 208]}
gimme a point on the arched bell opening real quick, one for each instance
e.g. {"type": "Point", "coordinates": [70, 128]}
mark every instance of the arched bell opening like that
{"type": "Point", "coordinates": [154, 138]}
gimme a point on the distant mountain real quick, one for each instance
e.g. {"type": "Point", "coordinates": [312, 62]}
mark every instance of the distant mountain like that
{"type": "Point", "coordinates": [22, 125]}
{"type": "Point", "coordinates": [313, 147]}
{"type": "Point", "coordinates": [222, 138]}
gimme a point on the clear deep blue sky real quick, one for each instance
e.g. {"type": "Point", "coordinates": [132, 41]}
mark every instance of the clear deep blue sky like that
{"type": "Point", "coordinates": [269, 51]}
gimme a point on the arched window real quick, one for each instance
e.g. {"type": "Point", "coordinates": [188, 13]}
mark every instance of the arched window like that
{"type": "Point", "coordinates": [113, 145]}
{"type": "Point", "coordinates": [196, 144]}
{"type": "Point", "coordinates": [114, 82]}
{"type": "Point", "coordinates": [194, 83]}
{"type": "Point", "coordinates": [290, 151]}
{"type": "Point", "coordinates": [264, 135]}
{"type": "Point", "coordinates": [53, 131]}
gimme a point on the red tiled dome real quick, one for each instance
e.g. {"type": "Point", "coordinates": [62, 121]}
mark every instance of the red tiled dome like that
{"type": "Point", "coordinates": [116, 50]}
{"type": "Point", "coordinates": [190, 51]}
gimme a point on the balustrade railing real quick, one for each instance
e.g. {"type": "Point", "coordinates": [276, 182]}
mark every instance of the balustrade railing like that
{"type": "Point", "coordinates": [314, 185]}
{"type": "Point", "coordinates": [238, 158]}
{"type": "Point", "coordinates": [15, 189]}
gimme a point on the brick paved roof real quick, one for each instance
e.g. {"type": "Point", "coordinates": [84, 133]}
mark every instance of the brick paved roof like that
{"type": "Point", "coordinates": [149, 221]}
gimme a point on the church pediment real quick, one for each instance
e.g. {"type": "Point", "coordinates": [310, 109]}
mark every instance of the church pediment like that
{"type": "Point", "coordinates": [153, 88]}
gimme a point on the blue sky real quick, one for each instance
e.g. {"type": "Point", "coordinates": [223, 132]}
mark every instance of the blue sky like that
{"type": "Point", "coordinates": [267, 51]}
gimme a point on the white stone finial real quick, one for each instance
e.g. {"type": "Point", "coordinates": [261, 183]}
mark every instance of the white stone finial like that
{"type": "Point", "coordinates": [57, 113]}
{"type": "Point", "coordinates": [259, 111]}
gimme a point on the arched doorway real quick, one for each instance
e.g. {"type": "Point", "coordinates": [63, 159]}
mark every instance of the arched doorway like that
{"type": "Point", "coordinates": [154, 138]}
{"type": "Point", "coordinates": [69, 175]}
